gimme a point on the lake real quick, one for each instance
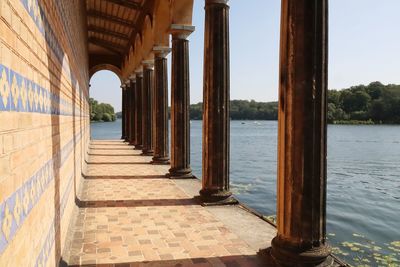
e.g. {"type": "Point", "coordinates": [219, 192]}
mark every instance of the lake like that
{"type": "Point", "coordinates": [363, 204]}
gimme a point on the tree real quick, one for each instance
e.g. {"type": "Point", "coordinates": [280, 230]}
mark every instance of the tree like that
{"type": "Point", "coordinates": [106, 117]}
{"type": "Point", "coordinates": [101, 112]}
{"type": "Point", "coordinates": [375, 102]}
{"type": "Point", "coordinates": [353, 101]}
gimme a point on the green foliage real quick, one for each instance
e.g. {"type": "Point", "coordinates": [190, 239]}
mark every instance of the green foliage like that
{"type": "Point", "coordinates": [106, 117]}
{"type": "Point", "coordinates": [242, 110]}
{"type": "Point", "coordinates": [363, 252]}
{"type": "Point", "coordinates": [97, 117]}
{"type": "Point", "coordinates": [101, 112]}
{"type": "Point", "coordinates": [362, 104]}
{"type": "Point", "coordinates": [371, 104]}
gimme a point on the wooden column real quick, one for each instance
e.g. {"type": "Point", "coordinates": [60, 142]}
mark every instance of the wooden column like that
{"type": "Point", "coordinates": [123, 136]}
{"type": "Point", "coordinates": [138, 111]}
{"type": "Point", "coordinates": [215, 182]}
{"type": "Point", "coordinates": [147, 92]}
{"type": "Point", "coordinates": [301, 200]}
{"type": "Point", "coordinates": [132, 79]}
{"type": "Point", "coordinates": [180, 101]}
{"type": "Point", "coordinates": [160, 106]}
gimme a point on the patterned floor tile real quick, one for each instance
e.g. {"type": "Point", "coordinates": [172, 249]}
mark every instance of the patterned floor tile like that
{"type": "Point", "coordinates": [145, 219]}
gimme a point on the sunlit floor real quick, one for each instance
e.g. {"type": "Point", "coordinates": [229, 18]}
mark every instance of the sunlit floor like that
{"type": "Point", "coordinates": [131, 215]}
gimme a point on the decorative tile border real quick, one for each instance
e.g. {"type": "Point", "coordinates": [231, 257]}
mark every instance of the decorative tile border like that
{"type": "Point", "coordinates": [49, 242]}
{"type": "Point", "coordinates": [20, 94]}
{"type": "Point", "coordinates": [35, 11]}
{"type": "Point", "coordinates": [37, 15]}
{"type": "Point", "coordinates": [16, 208]}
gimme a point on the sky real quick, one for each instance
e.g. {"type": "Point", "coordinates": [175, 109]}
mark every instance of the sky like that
{"type": "Point", "coordinates": [364, 46]}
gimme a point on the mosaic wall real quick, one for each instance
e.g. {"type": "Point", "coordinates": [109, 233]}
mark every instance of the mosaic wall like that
{"type": "Point", "coordinates": [15, 209]}
{"type": "Point", "coordinates": [20, 94]}
{"type": "Point", "coordinates": [44, 126]}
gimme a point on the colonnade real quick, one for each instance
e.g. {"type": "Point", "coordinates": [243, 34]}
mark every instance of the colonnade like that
{"type": "Point", "coordinates": [301, 197]}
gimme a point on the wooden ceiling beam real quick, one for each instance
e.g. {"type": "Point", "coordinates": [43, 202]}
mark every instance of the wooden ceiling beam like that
{"type": "Point", "coordinates": [108, 32]}
{"type": "Point", "coordinates": [126, 3]}
{"type": "Point", "coordinates": [115, 48]}
{"type": "Point", "coordinates": [105, 16]}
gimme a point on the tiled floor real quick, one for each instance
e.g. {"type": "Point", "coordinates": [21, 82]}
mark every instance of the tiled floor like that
{"type": "Point", "coordinates": [131, 215]}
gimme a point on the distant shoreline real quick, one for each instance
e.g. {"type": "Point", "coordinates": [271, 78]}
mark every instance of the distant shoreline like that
{"type": "Point", "coordinates": [350, 122]}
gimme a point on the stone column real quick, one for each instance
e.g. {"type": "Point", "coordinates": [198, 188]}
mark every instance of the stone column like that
{"type": "Point", "coordinates": [138, 111]}
{"type": "Point", "coordinates": [128, 107]}
{"type": "Point", "coordinates": [160, 106]}
{"type": "Point", "coordinates": [180, 101]}
{"type": "Point", "coordinates": [124, 112]}
{"type": "Point", "coordinates": [147, 92]}
{"type": "Point", "coordinates": [123, 136]}
{"type": "Point", "coordinates": [132, 79]}
{"type": "Point", "coordinates": [215, 189]}
{"type": "Point", "coordinates": [301, 199]}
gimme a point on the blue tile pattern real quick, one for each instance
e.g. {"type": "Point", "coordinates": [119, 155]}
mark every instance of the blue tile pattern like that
{"type": "Point", "coordinates": [38, 16]}
{"type": "Point", "coordinates": [49, 241]}
{"type": "Point", "coordinates": [5, 92]}
{"type": "Point", "coordinates": [16, 208]}
{"type": "Point", "coordinates": [20, 94]}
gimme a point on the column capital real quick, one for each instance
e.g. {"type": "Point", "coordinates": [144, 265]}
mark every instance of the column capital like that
{"type": "Point", "coordinates": [180, 31]}
{"type": "Point", "coordinates": [139, 72]}
{"type": "Point", "coordinates": [161, 51]}
{"type": "Point", "coordinates": [123, 86]}
{"type": "Point", "coordinates": [132, 78]}
{"type": "Point", "coordinates": [211, 2]}
{"type": "Point", "coordinates": [216, 2]}
{"type": "Point", "coordinates": [148, 64]}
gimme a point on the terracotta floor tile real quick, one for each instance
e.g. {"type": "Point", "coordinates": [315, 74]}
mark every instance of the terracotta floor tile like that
{"type": "Point", "coordinates": [131, 214]}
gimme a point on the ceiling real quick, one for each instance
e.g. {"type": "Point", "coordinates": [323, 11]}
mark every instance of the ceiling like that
{"type": "Point", "coordinates": [112, 25]}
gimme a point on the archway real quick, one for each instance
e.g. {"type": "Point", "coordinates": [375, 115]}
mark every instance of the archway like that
{"type": "Point", "coordinates": [105, 103]}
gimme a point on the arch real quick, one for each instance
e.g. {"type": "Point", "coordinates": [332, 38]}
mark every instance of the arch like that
{"type": "Point", "coordinates": [109, 67]}
{"type": "Point", "coordinates": [182, 12]}
{"type": "Point", "coordinates": [147, 36]}
{"type": "Point", "coordinates": [162, 22]}
{"type": "Point", "coordinates": [138, 56]}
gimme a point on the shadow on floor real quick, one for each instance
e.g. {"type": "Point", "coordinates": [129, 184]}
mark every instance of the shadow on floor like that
{"type": "Point", "coordinates": [124, 176]}
{"type": "Point", "coordinates": [119, 163]}
{"type": "Point", "coordinates": [228, 261]}
{"type": "Point", "coordinates": [117, 155]}
{"type": "Point", "coordinates": [121, 148]}
{"type": "Point", "coordinates": [135, 203]}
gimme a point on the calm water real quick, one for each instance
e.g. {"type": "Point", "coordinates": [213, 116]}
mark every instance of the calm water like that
{"type": "Point", "coordinates": [363, 181]}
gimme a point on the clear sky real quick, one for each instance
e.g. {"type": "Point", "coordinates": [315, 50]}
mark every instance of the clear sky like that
{"type": "Point", "coordinates": [364, 46]}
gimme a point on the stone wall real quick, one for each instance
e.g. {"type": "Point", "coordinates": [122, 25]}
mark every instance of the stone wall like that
{"type": "Point", "coordinates": [44, 127]}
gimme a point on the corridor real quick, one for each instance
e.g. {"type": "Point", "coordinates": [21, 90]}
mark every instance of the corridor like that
{"type": "Point", "coordinates": [130, 214]}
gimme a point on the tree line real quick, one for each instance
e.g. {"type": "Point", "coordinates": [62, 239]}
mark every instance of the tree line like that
{"type": "Point", "coordinates": [101, 111]}
{"type": "Point", "coordinates": [242, 110]}
{"type": "Point", "coordinates": [374, 103]}
{"type": "Point", "coordinates": [363, 104]}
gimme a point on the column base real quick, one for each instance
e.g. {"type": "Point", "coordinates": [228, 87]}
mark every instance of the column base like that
{"type": "Point", "coordinates": [147, 152]}
{"type": "Point", "coordinates": [123, 137]}
{"type": "Point", "coordinates": [138, 147]}
{"type": "Point", "coordinates": [180, 173]}
{"type": "Point", "coordinates": [160, 161]}
{"type": "Point", "coordinates": [216, 197]}
{"type": "Point", "coordinates": [131, 143]}
{"type": "Point", "coordinates": [286, 253]}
